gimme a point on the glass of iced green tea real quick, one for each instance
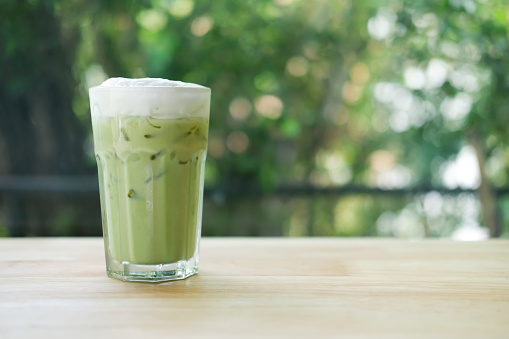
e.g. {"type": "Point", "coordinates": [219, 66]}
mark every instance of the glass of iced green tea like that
{"type": "Point", "coordinates": [150, 141]}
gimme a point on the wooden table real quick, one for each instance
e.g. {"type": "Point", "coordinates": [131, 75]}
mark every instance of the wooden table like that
{"type": "Point", "coordinates": [263, 288]}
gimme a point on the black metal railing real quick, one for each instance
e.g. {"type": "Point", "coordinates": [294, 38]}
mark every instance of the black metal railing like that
{"type": "Point", "coordinates": [14, 189]}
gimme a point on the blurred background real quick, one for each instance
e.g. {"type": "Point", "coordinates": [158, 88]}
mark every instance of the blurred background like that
{"type": "Point", "coordinates": [328, 117]}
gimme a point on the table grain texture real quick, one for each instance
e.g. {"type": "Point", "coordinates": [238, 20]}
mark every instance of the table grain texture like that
{"type": "Point", "coordinates": [262, 288]}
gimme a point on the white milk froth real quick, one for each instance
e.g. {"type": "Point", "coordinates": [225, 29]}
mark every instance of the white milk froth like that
{"type": "Point", "coordinates": [158, 98]}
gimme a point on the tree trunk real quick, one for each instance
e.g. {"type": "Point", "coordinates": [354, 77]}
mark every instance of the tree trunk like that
{"type": "Point", "coordinates": [487, 194]}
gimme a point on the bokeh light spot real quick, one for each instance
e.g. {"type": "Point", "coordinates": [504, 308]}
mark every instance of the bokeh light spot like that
{"type": "Point", "coordinates": [180, 8]}
{"type": "Point", "coordinates": [95, 75]}
{"type": "Point", "coordinates": [152, 20]}
{"type": "Point", "coordinates": [414, 78]}
{"type": "Point", "coordinates": [382, 25]}
{"type": "Point", "coordinates": [270, 106]}
{"type": "Point", "coordinates": [202, 25]}
{"type": "Point", "coordinates": [463, 171]}
{"type": "Point", "coordinates": [240, 108]}
{"type": "Point", "coordinates": [216, 147]}
{"type": "Point", "coordinates": [382, 160]}
{"type": "Point", "coordinates": [237, 142]}
{"type": "Point", "coordinates": [457, 108]}
{"type": "Point", "coordinates": [436, 73]}
{"type": "Point", "coordinates": [351, 92]}
{"type": "Point", "coordinates": [311, 50]}
{"type": "Point", "coordinates": [283, 2]}
{"type": "Point", "coordinates": [297, 66]}
{"type": "Point", "coordinates": [359, 73]}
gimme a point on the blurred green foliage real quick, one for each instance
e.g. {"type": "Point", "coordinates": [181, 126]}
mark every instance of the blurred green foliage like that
{"type": "Point", "coordinates": [384, 94]}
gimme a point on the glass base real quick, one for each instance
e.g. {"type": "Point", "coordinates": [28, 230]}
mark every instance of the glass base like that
{"type": "Point", "coordinates": [127, 271]}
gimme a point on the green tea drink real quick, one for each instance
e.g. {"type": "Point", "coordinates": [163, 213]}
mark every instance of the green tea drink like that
{"type": "Point", "coordinates": [150, 138]}
{"type": "Point", "coordinates": [150, 171]}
